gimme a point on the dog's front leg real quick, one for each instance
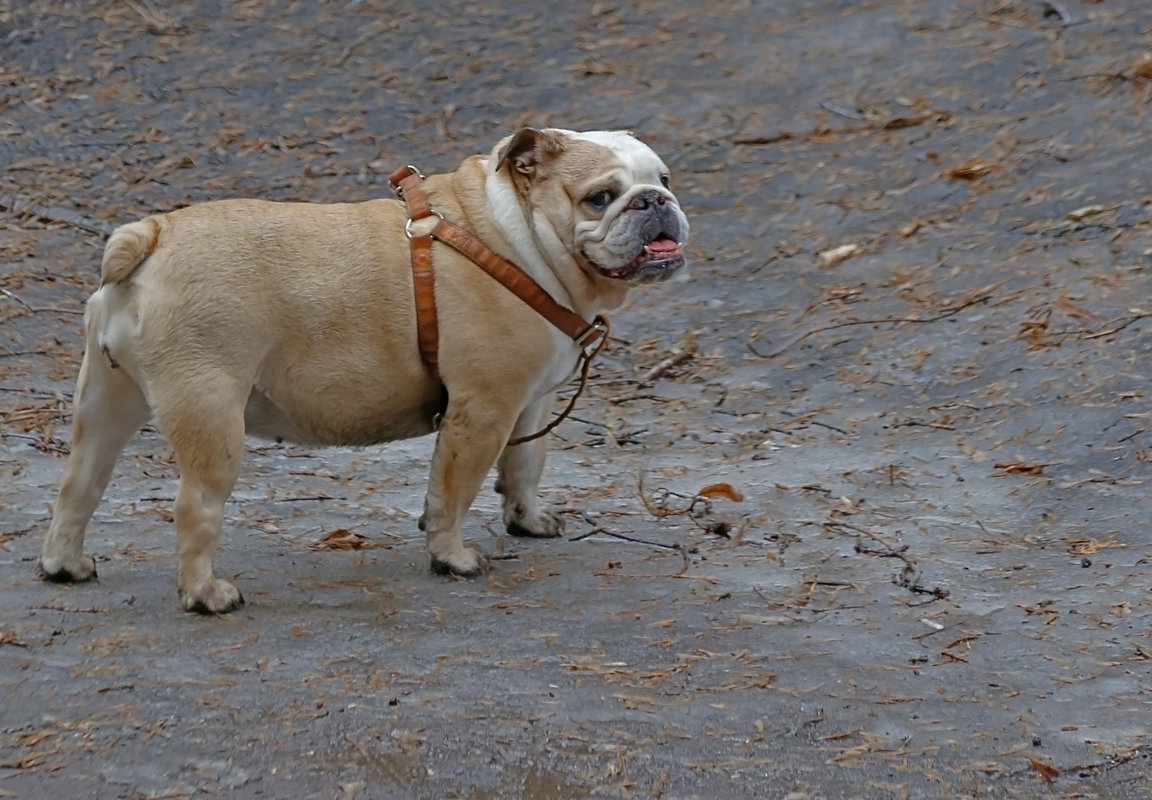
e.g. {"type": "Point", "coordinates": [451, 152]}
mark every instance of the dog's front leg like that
{"type": "Point", "coordinates": [471, 435]}
{"type": "Point", "coordinates": [520, 468]}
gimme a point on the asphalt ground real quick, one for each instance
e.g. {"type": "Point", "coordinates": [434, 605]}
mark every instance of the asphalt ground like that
{"type": "Point", "coordinates": [913, 342]}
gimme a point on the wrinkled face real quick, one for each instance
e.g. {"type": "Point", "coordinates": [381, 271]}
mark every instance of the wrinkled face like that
{"type": "Point", "coordinates": [605, 198]}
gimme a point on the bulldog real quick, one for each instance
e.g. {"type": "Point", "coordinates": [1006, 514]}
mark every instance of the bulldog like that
{"type": "Point", "coordinates": [296, 321]}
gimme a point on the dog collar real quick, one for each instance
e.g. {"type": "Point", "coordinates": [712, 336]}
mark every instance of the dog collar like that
{"type": "Point", "coordinates": [591, 337]}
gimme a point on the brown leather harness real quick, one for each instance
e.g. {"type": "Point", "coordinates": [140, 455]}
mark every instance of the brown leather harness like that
{"type": "Point", "coordinates": [408, 184]}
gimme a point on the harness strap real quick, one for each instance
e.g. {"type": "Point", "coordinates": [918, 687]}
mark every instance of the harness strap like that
{"type": "Point", "coordinates": [423, 278]}
{"type": "Point", "coordinates": [591, 337]}
{"type": "Point", "coordinates": [518, 282]}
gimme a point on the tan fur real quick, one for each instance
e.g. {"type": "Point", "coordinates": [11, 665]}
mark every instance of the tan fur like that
{"type": "Point", "coordinates": [296, 321]}
{"type": "Point", "coordinates": [127, 248]}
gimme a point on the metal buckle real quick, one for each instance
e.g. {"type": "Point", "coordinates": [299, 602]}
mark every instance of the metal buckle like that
{"type": "Point", "coordinates": [408, 225]}
{"type": "Point", "coordinates": [395, 187]}
{"type": "Point", "coordinates": [589, 341]}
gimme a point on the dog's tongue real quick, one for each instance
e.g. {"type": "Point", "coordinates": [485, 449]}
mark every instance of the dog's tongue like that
{"type": "Point", "coordinates": [664, 245]}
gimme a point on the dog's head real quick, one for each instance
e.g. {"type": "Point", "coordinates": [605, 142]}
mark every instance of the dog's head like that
{"type": "Point", "coordinates": [601, 197]}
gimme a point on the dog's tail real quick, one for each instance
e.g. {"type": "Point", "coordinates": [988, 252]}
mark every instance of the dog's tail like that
{"type": "Point", "coordinates": [128, 248]}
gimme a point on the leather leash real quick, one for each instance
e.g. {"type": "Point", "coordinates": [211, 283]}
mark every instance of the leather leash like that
{"type": "Point", "coordinates": [408, 184]}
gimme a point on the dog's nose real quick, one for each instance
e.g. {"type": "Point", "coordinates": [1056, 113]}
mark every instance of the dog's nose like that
{"type": "Point", "coordinates": [646, 199]}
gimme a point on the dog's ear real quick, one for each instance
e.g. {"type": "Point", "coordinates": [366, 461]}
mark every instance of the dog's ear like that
{"type": "Point", "coordinates": [528, 150]}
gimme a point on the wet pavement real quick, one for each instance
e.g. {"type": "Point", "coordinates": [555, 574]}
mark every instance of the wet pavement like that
{"type": "Point", "coordinates": [913, 342]}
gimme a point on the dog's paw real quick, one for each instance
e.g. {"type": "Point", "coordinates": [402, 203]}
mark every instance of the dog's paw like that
{"type": "Point", "coordinates": [541, 525]}
{"type": "Point", "coordinates": [212, 597]}
{"type": "Point", "coordinates": [73, 570]}
{"type": "Point", "coordinates": [467, 562]}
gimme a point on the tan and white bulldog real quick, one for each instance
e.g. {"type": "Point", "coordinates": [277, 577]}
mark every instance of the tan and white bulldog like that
{"type": "Point", "coordinates": [296, 321]}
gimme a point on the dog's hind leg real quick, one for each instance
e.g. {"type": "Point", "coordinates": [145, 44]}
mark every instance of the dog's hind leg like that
{"type": "Point", "coordinates": [203, 418]}
{"type": "Point", "coordinates": [108, 408]}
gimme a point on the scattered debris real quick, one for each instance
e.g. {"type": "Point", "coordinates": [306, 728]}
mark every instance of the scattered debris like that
{"type": "Point", "coordinates": [837, 255]}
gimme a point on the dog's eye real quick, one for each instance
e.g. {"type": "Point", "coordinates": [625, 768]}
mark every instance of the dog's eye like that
{"type": "Point", "coordinates": [664, 181]}
{"type": "Point", "coordinates": [600, 199]}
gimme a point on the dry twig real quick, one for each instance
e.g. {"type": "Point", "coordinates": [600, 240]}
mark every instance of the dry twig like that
{"type": "Point", "coordinates": [35, 310]}
{"type": "Point", "coordinates": [909, 575]}
{"type": "Point", "coordinates": [976, 297]}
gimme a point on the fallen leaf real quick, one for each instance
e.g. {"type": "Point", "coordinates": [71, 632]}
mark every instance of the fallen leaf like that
{"type": "Point", "coordinates": [832, 737]}
{"type": "Point", "coordinates": [1143, 67]}
{"type": "Point", "coordinates": [896, 123]}
{"type": "Point", "coordinates": [1084, 212]}
{"type": "Point", "coordinates": [822, 134]}
{"type": "Point", "coordinates": [1068, 309]}
{"type": "Point", "coordinates": [1049, 773]}
{"type": "Point", "coordinates": [10, 637]}
{"type": "Point", "coordinates": [970, 170]}
{"type": "Point", "coordinates": [340, 539]}
{"type": "Point", "coordinates": [1088, 547]}
{"type": "Point", "coordinates": [721, 490]}
{"type": "Point", "coordinates": [1021, 468]}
